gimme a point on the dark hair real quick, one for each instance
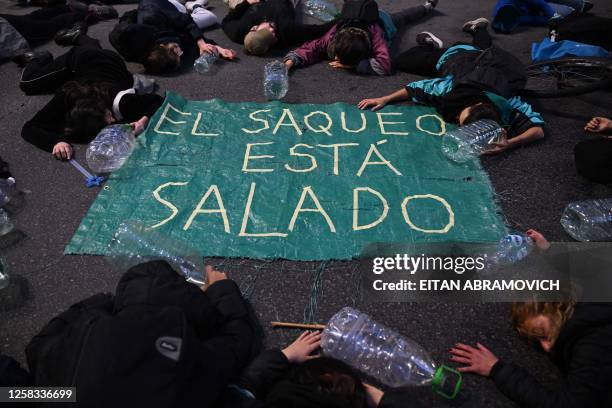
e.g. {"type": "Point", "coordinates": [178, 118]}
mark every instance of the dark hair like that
{"type": "Point", "coordinates": [87, 105]}
{"type": "Point", "coordinates": [161, 61]}
{"type": "Point", "coordinates": [330, 376]}
{"type": "Point", "coordinates": [482, 111]}
{"type": "Point", "coordinates": [352, 45]}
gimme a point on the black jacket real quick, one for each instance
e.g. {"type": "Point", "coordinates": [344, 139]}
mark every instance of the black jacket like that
{"type": "Point", "coordinates": [160, 342]}
{"type": "Point", "coordinates": [266, 380]}
{"type": "Point", "coordinates": [154, 22]}
{"type": "Point", "coordinates": [583, 353]}
{"type": "Point", "coordinates": [88, 65]}
{"type": "Point", "coordinates": [239, 21]}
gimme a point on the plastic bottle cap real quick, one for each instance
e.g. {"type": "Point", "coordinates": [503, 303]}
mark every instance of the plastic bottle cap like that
{"type": "Point", "coordinates": [439, 382]}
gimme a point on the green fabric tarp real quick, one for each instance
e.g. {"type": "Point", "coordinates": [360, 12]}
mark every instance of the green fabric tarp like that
{"type": "Point", "coordinates": [301, 182]}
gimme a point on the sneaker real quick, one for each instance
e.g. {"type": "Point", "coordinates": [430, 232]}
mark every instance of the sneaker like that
{"type": "Point", "coordinates": [190, 5]}
{"type": "Point", "coordinates": [431, 4]}
{"type": "Point", "coordinates": [68, 36]}
{"type": "Point", "coordinates": [102, 12]}
{"type": "Point", "coordinates": [474, 25]}
{"type": "Point", "coordinates": [427, 38]}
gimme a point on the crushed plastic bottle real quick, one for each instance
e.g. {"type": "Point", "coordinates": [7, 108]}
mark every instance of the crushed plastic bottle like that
{"type": "Point", "coordinates": [6, 225]}
{"type": "Point", "coordinates": [276, 80]}
{"type": "Point", "coordinates": [134, 244]}
{"type": "Point", "coordinates": [204, 63]}
{"type": "Point", "coordinates": [589, 220]}
{"type": "Point", "coordinates": [7, 190]}
{"type": "Point", "coordinates": [323, 10]}
{"type": "Point", "coordinates": [353, 337]}
{"type": "Point", "coordinates": [4, 276]}
{"type": "Point", "coordinates": [111, 148]}
{"type": "Point", "coordinates": [513, 248]}
{"type": "Point", "coordinates": [469, 141]}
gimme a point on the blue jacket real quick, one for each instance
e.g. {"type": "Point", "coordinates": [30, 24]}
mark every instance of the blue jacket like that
{"type": "Point", "coordinates": [509, 14]}
{"type": "Point", "coordinates": [450, 95]}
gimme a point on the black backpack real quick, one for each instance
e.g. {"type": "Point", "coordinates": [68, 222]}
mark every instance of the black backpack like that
{"type": "Point", "coordinates": [364, 11]}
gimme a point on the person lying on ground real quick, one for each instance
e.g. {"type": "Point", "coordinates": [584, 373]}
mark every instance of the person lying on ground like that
{"type": "Point", "coordinates": [578, 338]}
{"type": "Point", "coordinates": [158, 342]}
{"type": "Point", "coordinates": [21, 33]}
{"type": "Point", "coordinates": [508, 15]}
{"type": "Point", "coordinates": [294, 377]}
{"type": "Point", "coordinates": [471, 82]}
{"type": "Point", "coordinates": [160, 32]}
{"type": "Point", "coordinates": [588, 29]}
{"type": "Point", "coordinates": [95, 90]}
{"type": "Point", "coordinates": [358, 45]}
{"type": "Point", "coordinates": [594, 157]}
{"type": "Point", "coordinates": [260, 25]}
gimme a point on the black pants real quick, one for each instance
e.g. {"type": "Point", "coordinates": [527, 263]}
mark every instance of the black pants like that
{"type": "Point", "coordinates": [594, 159]}
{"type": "Point", "coordinates": [297, 34]}
{"type": "Point", "coordinates": [41, 25]}
{"type": "Point", "coordinates": [587, 29]}
{"type": "Point", "coordinates": [401, 19]}
{"type": "Point", "coordinates": [40, 77]}
{"type": "Point", "coordinates": [422, 59]}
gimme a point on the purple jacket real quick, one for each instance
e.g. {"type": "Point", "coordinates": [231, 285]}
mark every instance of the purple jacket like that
{"type": "Point", "coordinates": [320, 49]}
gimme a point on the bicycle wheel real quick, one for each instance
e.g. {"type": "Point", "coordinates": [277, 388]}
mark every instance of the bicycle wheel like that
{"type": "Point", "coordinates": [567, 77]}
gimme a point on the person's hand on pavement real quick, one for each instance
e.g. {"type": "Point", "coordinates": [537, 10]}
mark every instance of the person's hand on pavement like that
{"type": "Point", "coordinates": [599, 125]}
{"type": "Point", "coordinates": [540, 241]}
{"type": "Point", "coordinates": [62, 151]}
{"type": "Point", "coordinates": [479, 360]}
{"type": "Point", "coordinates": [302, 348]}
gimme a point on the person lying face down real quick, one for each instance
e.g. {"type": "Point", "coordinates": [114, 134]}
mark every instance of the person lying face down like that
{"type": "Point", "coordinates": [294, 377]}
{"type": "Point", "coordinates": [470, 82]}
{"type": "Point", "coordinates": [160, 33]}
{"type": "Point", "coordinates": [358, 45]}
{"type": "Point", "coordinates": [93, 88]}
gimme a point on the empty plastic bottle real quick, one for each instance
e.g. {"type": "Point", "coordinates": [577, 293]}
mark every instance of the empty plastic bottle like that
{"type": "Point", "coordinates": [276, 80]}
{"type": "Point", "coordinates": [7, 190]}
{"type": "Point", "coordinates": [133, 244]}
{"type": "Point", "coordinates": [6, 225]}
{"type": "Point", "coordinates": [4, 277]}
{"type": "Point", "coordinates": [589, 220]}
{"type": "Point", "coordinates": [323, 10]}
{"type": "Point", "coordinates": [111, 148]}
{"type": "Point", "coordinates": [376, 350]}
{"type": "Point", "coordinates": [469, 141]}
{"type": "Point", "coordinates": [512, 248]}
{"type": "Point", "coordinates": [205, 62]}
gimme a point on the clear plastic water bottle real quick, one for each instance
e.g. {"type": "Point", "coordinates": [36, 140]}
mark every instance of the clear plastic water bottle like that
{"type": "Point", "coordinates": [7, 190]}
{"type": "Point", "coordinates": [111, 148]}
{"type": "Point", "coordinates": [134, 244]}
{"type": "Point", "coordinates": [353, 337]}
{"type": "Point", "coordinates": [589, 220]}
{"type": "Point", "coordinates": [6, 225]}
{"type": "Point", "coordinates": [4, 276]}
{"type": "Point", "coordinates": [276, 80]}
{"type": "Point", "coordinates": [323, 10]}
{"type": "Point", "coordinates": [512, 248]}
{"type": "Point", "coordinates": [469, 141]}
{"type": "Point", "coordinates": [205, 62]}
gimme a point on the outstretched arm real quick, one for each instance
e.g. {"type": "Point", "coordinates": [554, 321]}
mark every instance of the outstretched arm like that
{"type": "Point", "coordinates": [379, 103]}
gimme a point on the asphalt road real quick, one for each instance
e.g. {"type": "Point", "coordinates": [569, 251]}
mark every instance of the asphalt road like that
{"type": "Point", "coordinates": [533, 184]}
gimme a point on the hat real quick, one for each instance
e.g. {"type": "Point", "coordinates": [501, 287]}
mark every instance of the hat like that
{"type": "Point", "coordinates": [259, 42]}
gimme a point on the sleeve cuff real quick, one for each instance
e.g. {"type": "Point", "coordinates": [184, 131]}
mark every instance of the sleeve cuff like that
{"type": "Point", "coordinates": [117, 101]}
{"type": "Point", "coordinates": [495, 370]}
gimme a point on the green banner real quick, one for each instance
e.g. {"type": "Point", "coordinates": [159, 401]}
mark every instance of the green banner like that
{"type": "Point", "coordinates": [302, 182]}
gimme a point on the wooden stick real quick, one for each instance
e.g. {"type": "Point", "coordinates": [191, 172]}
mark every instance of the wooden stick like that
{"type": "Point", "coordinates": [286, 325]}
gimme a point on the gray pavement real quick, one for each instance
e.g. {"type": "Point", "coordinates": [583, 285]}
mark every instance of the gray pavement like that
{"type": "Point", "coordinates": [533, 184]}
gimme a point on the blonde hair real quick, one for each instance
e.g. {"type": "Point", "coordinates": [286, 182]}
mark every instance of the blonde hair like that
{"type": "Point", "coordinates": [558, 313]}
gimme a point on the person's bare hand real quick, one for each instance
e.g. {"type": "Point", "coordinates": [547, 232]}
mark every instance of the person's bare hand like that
{"type": "Point", "coordinates": [375, 103]}
{"type": "Point", "coordinates": [289, 64]}
{"type": "Point", "coordinates": [540, 241]}
{"type": "Point", "coordinates": [252, 1]}
{"type": "Point", "coordinates": [226, 53]}
{"type": "Point", "coordinates": [302, 348]}
{"type": "Point", "coordinates": [479, 360]}
{"type": "Point", "coordinates": [207, 48]}
{"type": "Point", "coordinates": [373, 395]}
{"type": "Point", "coordinates": [140, 125]}
{"type": "Point", "coordinates": [62, 151]}
{"type": "Point", "coordinates": [212, 276]}
{"type": "Point", "coordinates": [501, 145]}
{"type": "Point", "coordinates": [599, 125]}
{"type": "Point", "coordinates": [335, 64]}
